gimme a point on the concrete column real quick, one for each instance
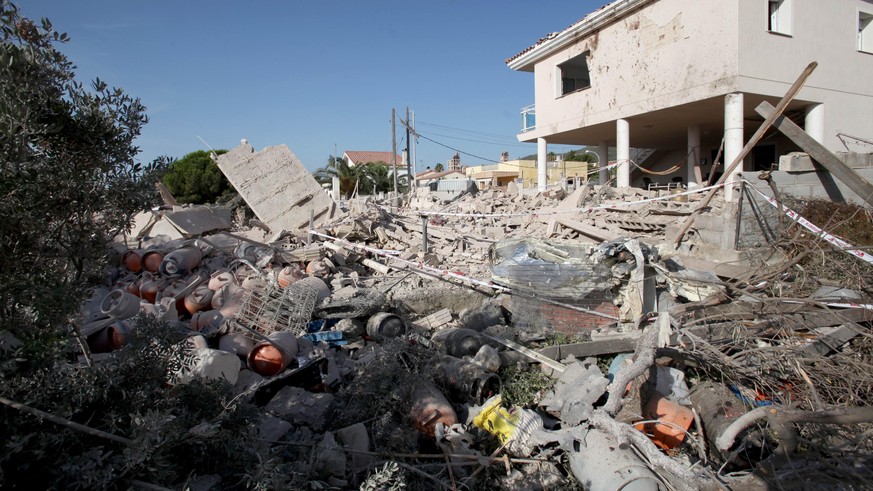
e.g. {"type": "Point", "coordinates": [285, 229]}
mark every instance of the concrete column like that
{"type": "Point", "coordinates": [603, 161]}
{"type": "Point", "coordinates": [335, 188]}
{"type": "Point", "coordinates": [814, 122]}
{"type": "Point", "coordinates": [693, 176]}
{"type": "Point", "coordinates": [622, 153]}
{"type": "Point", "coordinates": [542, 155]}
{"type": "Point", "coordinates": [733, 138]}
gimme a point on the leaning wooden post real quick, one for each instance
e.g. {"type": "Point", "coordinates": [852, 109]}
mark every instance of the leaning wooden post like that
{"type": "Point", "coordinates": [780, 108]}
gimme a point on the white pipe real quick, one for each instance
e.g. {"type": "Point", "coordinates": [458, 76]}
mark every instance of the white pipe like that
{"type": "Point", "coordinates": [542, 151]}
{"type": "Point", "coordinates": [733, 138]}
{"type": "Point", "coordinates": [622, 152]}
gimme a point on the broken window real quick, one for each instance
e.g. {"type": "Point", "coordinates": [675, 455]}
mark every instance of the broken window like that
{"type": "Point", "coordinates": [574, 74]}
{"type": "Point", "coordinates": [779, 16]}
{"type": "Point", "coordinates": [865, 32]}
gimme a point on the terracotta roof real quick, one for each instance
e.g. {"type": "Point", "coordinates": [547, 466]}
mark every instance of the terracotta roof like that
{"type": "Point", "coordinates": [365, 156]}
{"type": "Point", "coordinates": [552, 35]}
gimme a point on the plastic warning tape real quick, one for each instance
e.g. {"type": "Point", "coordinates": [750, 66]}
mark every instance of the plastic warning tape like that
{"type": "Point", "coordinates": [574, 210]}
{"type": "Point", "coordinates": [828, 237]}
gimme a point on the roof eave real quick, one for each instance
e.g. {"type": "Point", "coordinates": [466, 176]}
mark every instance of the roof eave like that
{"type": "Point", "coordinates": [584, 28]}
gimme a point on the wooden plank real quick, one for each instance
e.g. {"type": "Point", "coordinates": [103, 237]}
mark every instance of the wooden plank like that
{"type": "Point", "coordinates": [605, 346]}
{"type": "Point", "coordinates": [545, 360]}
{"type": "Point", "coordinates": [832, 339]}
{"type": "Point", "coordinates": [723, 270]}
{"type": "Point", "coordinates": [587, 230]}
{"type": "Point", "coordinates": [436, 320]}
{"type": "Point", "coordinates": [783, 103]}
{"type": "Point", "coordinates": [822, 155]}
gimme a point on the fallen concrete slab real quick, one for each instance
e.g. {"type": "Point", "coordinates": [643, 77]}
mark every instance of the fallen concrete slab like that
{"type": "Point", "coordinates": [276, 186]}
{"type": "Point", "coordinates": [198, 220]}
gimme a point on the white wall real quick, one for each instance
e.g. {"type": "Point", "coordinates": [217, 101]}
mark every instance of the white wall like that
{"type": "Point", "coordinates": [668, 53]}
{"type": "Point", "coordinates": [824, 31]}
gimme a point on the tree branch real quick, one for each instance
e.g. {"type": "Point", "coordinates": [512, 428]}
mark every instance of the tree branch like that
{"type": "Point", "coordinates": [65, 422]}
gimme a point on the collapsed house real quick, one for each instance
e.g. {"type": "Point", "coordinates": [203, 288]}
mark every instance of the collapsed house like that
{"type": "Point", "coordinates": [407, 333]}
{"type": "Point", "coordinates": [602, 337]}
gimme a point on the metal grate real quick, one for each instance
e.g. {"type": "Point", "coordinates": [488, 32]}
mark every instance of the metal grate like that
{"type": "Point", "coordinates": [268, 308]}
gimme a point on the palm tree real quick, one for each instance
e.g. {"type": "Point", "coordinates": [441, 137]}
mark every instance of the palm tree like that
{"type": "Point", "coordinates": [339, 167]}
{"type": "Point", "coordinates": [378, 178]}
{"type": "Point", "coordinates": [438, 167]}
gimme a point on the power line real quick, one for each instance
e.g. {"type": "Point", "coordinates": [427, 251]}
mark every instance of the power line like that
{"type": "Point", "coordinates": [418, 134]}
{"type": "Point", "coordinates": [455, 149]}
{"type": "Point", "coordinates": [516, 144]}
{"type": "Point", "coordinates": [462, 130]}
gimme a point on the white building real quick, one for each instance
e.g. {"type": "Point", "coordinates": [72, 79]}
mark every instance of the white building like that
{"type": "Point", "coordinates": [678, 76]}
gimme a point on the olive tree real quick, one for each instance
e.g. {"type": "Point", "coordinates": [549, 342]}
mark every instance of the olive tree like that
{"type": "Point", "coordinates": [69, 178]}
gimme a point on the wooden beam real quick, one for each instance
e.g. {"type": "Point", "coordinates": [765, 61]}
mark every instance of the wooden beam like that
{"type": "Point", "coordinates": [587, 230]}
{"type": "Point", "coordinates": [545, 360]}
{"type": "Point", "coordinates": [783, 103]}
{"type": "Point", "coordinates": [622, 343]}
{"type": "Point", "coordinates": [822, 155]}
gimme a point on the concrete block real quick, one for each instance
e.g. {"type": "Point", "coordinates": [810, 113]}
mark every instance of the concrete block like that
{"type": "Point", "coordinates": [796, 162]}
{"type": "Point", "coordinates": [276, 186]}
{"type": "Point", "coordinates": [808, 178]}
{"type": "Point", "coordinates": [856, 160]}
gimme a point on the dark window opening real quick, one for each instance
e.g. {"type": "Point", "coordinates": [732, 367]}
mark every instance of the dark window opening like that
{"type": "Point", "coordinates": [764, 158]}
{"type": "Point", "coordinates": [574, 74]}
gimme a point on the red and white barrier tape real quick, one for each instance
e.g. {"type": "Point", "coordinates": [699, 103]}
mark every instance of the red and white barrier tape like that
{"type": "Point", "coordinates": [830, 238]}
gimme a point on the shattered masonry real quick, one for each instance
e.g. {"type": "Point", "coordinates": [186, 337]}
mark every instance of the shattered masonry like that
{"type": "Point", "coordinates": [709, 362]}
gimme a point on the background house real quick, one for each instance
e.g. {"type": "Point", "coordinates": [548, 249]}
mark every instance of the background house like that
{"type": "Point", "coordinates": [359, 157]}
{"type": "Point", "coordinates": [678, 77]}
{"type": "Point", "coordinates": [524, 172]}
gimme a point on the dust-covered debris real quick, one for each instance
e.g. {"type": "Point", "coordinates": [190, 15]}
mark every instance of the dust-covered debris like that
{"type": "Point", "coordinates": [515, 350]}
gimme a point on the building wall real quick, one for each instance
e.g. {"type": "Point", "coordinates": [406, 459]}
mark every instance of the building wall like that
{"type": "Point", "coordinates": [821, 31]}
{"type": "Point", "coordinates": [668, 53]}
{"type": "Point", "coordinates": [527, 171]}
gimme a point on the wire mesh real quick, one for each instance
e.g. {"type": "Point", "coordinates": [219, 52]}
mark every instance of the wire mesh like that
{"type": "Point", "coordinates": [268, 308]}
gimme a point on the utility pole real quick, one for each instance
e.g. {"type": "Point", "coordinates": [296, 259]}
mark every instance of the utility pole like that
{"type": "Point", "coordinates": [408, 155]}
{"type": "Point", "coordinates": [414, 161]}
{"type": "Point", "coordinates": [394, 150]}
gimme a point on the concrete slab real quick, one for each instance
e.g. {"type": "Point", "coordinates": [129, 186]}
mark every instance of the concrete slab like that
{"type": "Point", "coordinates": [195, 221]}
{"type": "Point", "coordinates": [164, 227]}
{"type": "Point", "coordinates": [277, 187]}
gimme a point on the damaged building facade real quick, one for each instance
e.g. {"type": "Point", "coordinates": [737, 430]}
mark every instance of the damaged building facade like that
{"type": "Point", "coordinates": [681, 80]}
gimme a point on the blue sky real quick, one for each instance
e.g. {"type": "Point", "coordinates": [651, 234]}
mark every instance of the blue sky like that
{"type": "Point", "coordinates": [315, 75]}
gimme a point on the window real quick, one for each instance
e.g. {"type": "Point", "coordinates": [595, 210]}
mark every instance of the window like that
{"type": "Point", "coordinates": [574, 74]}
{"type": "Point", "coordinates": [779, 16]}
{"type": "Point", "coordinates": [865, 32]}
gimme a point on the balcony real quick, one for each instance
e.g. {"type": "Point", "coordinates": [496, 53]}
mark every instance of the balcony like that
{"type": "Point", "coordinates": [528, 118]}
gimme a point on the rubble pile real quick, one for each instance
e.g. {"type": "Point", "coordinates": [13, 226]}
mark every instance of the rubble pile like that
{"type": "Point", "coordinates": [519, 342]}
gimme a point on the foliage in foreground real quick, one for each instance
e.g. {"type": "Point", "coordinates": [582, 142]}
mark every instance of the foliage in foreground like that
{"type": "Point", "coordinates": [68, 178]}
{"type": "Point", "coordinates": [176, 432]}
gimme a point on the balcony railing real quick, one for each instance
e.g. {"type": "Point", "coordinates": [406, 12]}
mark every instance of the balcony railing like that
{"type": "Point", "coordinates": [528, 118]}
